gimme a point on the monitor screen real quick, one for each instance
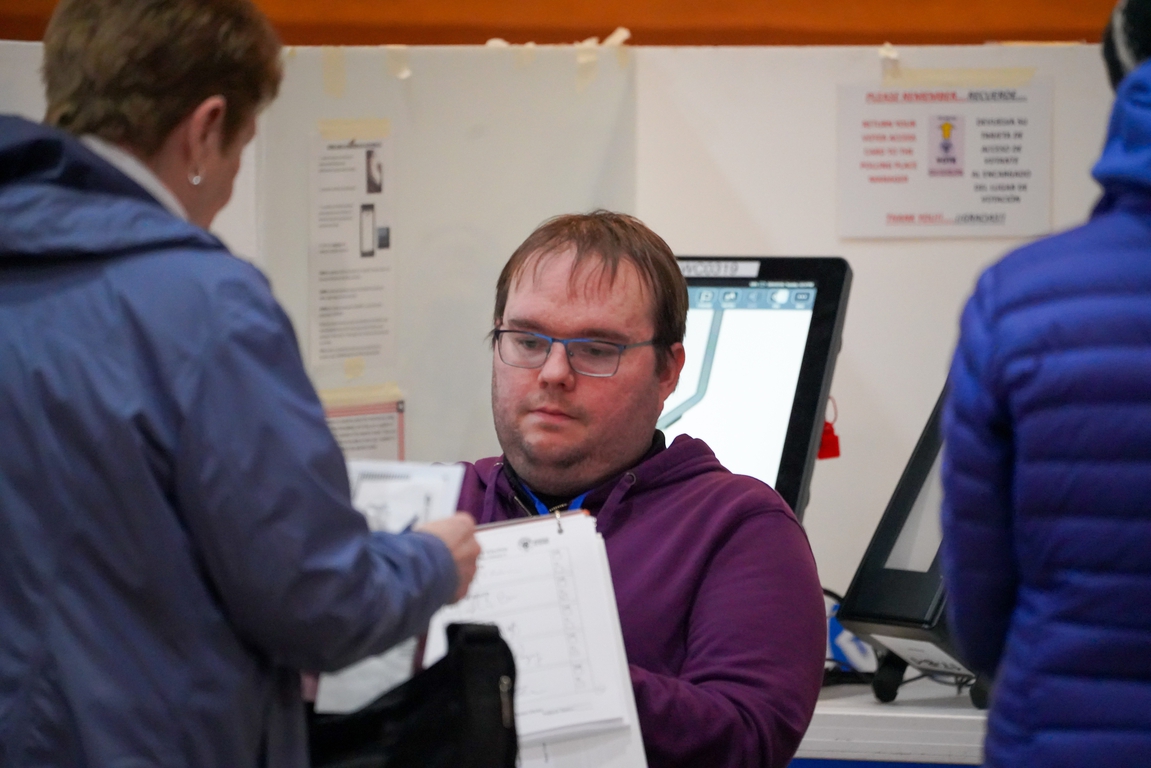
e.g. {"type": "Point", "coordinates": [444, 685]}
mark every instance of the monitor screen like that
{"type": "Point", "coordinates": [919, 539]}
{"type": "Point", "coordinates": [762, 336]}
{"type": "Point", "coordinates": [731, 394]}
{"type": "Point", "coordinates": [899, 580]}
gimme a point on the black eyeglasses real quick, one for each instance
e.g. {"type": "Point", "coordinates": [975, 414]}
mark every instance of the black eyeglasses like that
{"type": "Point", "coordinates": [590, 357]}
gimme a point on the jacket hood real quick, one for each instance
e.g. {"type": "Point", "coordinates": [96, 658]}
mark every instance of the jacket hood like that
{"type": "Point", "coordinates": [1126, 159]}
{"type": "Point", "coordinates": [58, 199]}
{"type": "Point", "coordinates": [685, 458]}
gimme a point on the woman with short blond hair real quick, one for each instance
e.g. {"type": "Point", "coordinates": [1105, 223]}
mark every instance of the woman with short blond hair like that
{"type": "Point", "coordinates": [178, 540]}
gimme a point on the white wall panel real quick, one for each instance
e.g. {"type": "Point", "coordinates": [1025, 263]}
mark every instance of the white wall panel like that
{"type": "Point", "coordinates": [736, 154]}
{"type": "Point", "coordinates": [487, 144]}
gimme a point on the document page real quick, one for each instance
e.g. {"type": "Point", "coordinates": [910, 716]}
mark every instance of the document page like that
{"type": "Point", "coordinates": [617, 748]}
{"type": "Point", "coordinates": [393, 496]}
{"type": "Point", "coordinates": [546, 584]}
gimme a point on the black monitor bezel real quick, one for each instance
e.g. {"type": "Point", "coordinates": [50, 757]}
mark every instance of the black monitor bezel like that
{"type": "Point", "coordinates": [881, 595]}
{"type": "Point", "coordinates": [832, 278]}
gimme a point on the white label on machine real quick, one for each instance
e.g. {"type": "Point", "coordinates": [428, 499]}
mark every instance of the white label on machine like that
{"type": "Point", "coordinates": [716, 268]}
{"type": "Point", "coordinates": [923, 655]}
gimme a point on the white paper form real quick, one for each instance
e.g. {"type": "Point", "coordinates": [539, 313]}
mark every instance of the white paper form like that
{"type": "Point", "coordinates": [547, 591]}
{"type": "Point", "coordinates": [945, 162]}
{"type": "Point", "coordinates": [617, 748]}
{"type": "Point", "coordinates": [393, 496]}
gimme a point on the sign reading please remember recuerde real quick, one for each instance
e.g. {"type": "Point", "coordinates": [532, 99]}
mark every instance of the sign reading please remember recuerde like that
{"type": "Point", "coordinates": [945, 162]}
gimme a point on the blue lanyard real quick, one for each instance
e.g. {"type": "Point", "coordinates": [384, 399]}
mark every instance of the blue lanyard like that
{"type": "Point", "coordinates": [540, 508]}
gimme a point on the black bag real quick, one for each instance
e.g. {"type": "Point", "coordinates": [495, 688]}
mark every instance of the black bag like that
{"type": "Point", "coordinates": [457, 713]}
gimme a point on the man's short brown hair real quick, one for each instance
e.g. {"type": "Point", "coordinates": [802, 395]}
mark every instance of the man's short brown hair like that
{"type": "Point", "coordinates": [129, 71]}
{"type": "Point", "coordinates": [610, 238]}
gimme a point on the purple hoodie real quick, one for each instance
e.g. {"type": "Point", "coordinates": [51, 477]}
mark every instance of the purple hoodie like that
{"type": "Point", "coordinates": [720, 603]}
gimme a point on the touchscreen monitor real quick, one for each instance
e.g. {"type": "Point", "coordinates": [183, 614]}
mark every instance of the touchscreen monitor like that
{"type": "Point", "coordinates": [762, 335]}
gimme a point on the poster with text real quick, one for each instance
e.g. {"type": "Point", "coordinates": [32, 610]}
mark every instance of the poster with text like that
{"type": "Point", "coordinates": [350, 270]}
{"type": "Point", "coordinates": [945, 162]}
{"type": "Point", "coordinates": [370, 431]}
{"type": "Point", "coordinates": [367, 421]}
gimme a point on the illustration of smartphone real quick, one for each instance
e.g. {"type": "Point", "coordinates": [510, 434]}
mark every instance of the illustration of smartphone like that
{"type": "Point", "coordinates": [375, 168]}
{"type": "Point", "coordinates": [367, 230]}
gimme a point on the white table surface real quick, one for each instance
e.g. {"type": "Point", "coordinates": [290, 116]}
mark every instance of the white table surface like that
{"type": "Point", "coordinates": [926, 723]}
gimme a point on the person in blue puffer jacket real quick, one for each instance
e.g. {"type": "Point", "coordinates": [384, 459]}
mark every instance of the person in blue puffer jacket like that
{"type": "Point", "coordinates": [1047, 468]}
{"type": "Point", "coordinates": [177, 540]}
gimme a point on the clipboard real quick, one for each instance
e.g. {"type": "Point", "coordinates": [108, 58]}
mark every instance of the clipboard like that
{"type": "Point", "coordinates": [546, 582]}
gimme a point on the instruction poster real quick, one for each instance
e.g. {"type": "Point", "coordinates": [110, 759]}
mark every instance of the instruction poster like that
{"type": "Point", "coordinates": [350, 268]}
{"type": "Point", "coordinates": [945, 162]}
{"type": "Point", "coordinates": [367, 421]}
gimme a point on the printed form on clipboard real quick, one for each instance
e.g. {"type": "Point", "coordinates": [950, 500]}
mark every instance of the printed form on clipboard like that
{"type": "Point", "coordinates": [546, 583]}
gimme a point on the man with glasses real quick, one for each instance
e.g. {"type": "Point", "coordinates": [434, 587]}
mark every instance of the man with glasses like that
{"type": "Point", "coordinates": [719, 599]}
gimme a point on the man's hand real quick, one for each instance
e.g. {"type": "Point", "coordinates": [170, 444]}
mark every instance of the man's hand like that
{"type": "Point", "coordinates": [459, 533]}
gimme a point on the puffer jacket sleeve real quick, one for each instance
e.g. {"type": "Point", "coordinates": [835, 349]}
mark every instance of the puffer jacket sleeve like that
{"type": "Point", "coordinates": [262, 488]}
{"type": "Point", "coordinates": [979, 566]}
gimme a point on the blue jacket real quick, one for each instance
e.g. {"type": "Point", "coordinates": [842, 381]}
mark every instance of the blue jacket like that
{"type": "Point", "coordinates": [176, 537]}
{"type": "Point", "coordinates": [1047, 476]}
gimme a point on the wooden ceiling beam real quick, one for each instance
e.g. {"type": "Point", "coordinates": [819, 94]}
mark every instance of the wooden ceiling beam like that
{"type": "Point", "coordinates": [652, 22]}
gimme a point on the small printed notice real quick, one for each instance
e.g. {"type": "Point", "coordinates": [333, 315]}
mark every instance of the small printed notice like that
{"type": "Point", "coordinates": [945, 162]}
{"type": "Point", "coordinates": [367, 422]}
{"type": "Point", "coordinates": [350, 271]}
